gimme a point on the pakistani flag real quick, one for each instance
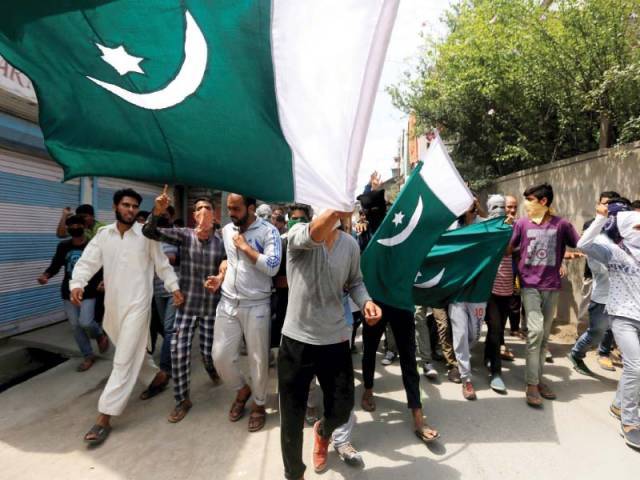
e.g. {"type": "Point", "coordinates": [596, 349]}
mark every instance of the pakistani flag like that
{"type": "Point", "coordinates": [433, 197]}
{"type": "Point", "coordinates": [269, 98]}
{"type": "Point", "coordinates": [462, 266]}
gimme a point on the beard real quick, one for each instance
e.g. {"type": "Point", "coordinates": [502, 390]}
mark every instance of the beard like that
{"type": "Point", "coordinates": [240, 222]}
{"type": "Point", "coordinates": [121, 219]}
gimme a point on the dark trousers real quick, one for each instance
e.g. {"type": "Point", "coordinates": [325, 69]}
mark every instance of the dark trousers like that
{"type": "Point", "coordinates": [357, 321]}
{"type": "Point", "coordinates": [297, 364]}
{"type": "Point", "coordinates": [404, 331]}
{"type": "Point", "coordinates": [515, 312]}
{"type": "Point", "coordinates": [498, 309]}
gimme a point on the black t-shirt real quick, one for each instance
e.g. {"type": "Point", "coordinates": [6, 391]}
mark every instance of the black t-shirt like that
{"type": "Point", "coordinates": [67, 254]}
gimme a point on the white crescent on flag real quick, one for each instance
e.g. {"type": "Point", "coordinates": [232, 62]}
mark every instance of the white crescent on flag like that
{"type": "Point", "coordinates": [432, 282]}
{"type": "Point", "coordinates": [407, 231]}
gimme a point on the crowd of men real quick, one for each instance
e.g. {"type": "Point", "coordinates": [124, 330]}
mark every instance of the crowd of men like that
{"type": "Point", "coordinates": [292, 280]}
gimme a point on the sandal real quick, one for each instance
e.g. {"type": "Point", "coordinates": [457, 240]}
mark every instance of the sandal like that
{"type": "Point", "coordinates": [153, 390]}
{"type": "Point", "coordinates": [368, 403]}
{"type": "Point", "coordinates": [237, 408]}
{"type": "Point", "coordinates": [97, 435]}
{"type": "Point", "coordinates": [180, 411]}
{"type": "Point", "coordinates": [507, 355]}
{"type": "Point", "coordinates": [257, 419]}
{"type": "Point", "coordinates": [86, 364]}
{"type": "Point", "coordinates": [546, 392]}
{"type": "Point", "coordinates": [427, 434]}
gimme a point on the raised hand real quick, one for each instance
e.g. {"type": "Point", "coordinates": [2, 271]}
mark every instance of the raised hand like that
{"type": "Point", "coordinates": [602, 210]}
{"type": "Point", "coordinates": [162, 202]}
{"type": "Point", "coordinates": [375, 180]}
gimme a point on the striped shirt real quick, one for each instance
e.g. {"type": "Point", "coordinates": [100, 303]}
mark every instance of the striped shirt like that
{"type": "Point", "coordinates": [503, 284]}
{"type": "Point", "coordinates": [198, 260]}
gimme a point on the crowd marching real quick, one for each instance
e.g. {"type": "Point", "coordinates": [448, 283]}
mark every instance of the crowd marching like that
{"type": "Point", "coordinates": [291, 280]}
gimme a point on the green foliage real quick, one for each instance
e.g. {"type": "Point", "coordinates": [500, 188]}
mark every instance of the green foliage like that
{"type": "Point", "coordinates": [516, 84]}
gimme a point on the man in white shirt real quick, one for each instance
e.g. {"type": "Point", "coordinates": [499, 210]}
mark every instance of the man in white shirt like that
{"type": "Point", "coordinates": [128, 260]}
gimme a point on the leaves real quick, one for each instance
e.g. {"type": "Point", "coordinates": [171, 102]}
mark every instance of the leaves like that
{"type": "Point", "coordinates": [516, 84]}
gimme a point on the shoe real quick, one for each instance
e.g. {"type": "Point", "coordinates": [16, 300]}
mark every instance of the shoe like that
{"type": "Point", "coordinates": [497, 384]}
{"type": "Point", "coordinates": [103, 343]}
{"type": "Point", "coordinates": [388, 359]}
{"type": "Point", "coordinates": [616, 412]}
{"type": "Point", "coordinates": [350, 455]}
{"type": "Point", "coordinates": [579, 365]}
{"type": "Point", "coordinates": [533, 398]}
{"type": "Point", "coordinates": [606, 363]}
{"type": "Point", "coordinates": [429, 371]}
{"type": "Point", "coordinates": [320, 450]}
{"type": "Point", "coordinates": [468, 392]}
{"type": "Point", "coordinates": [311, 416]}
{"type": "Point", "coordinates": [86, 364]}
{"type": "Point", "coordinates": [632, 437]}
{"type": "Point", "coordinates": [180, 411]}
{"type": "Point", "coordinates": [548, 357]}
{"type": "Point", "coordinates": [506, 354]}
{"type": "Point", "coordinates": [454, 375]}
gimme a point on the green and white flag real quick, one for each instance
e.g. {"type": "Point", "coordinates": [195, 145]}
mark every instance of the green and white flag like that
{"type": "Point", "coordinates": [269, 98]}
{"type": "Point", "coordinates": [433, 197]}
{"type": "Point", "coordinates": [462, 265]}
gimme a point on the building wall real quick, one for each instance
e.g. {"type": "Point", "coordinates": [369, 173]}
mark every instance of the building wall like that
{"type": "Point", "coordinates": [577, 183]}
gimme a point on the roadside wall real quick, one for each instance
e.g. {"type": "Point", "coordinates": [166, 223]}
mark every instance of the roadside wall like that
{"type": "Point", "coordinates": [577, 182]}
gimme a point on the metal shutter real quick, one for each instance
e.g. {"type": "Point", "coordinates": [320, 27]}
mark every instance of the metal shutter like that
{"type": "Point", "coordinates": [31, 200]}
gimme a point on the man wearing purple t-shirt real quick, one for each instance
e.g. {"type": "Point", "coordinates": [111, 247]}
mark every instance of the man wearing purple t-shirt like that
{"type": "Point", "coordinates": [542, 239]}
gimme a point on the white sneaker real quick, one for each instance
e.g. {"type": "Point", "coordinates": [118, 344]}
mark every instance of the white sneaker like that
{"type": "Point", "coordinates": [388, 359]}
{"type": "Point", "coordinates": [429, 371]}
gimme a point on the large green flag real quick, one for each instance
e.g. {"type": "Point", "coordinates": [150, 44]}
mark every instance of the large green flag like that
{"type": "Point", "coordinates": [270, 98]}
{"type": "Point", "coordinates": [462, 265]}
{"type": "Point", "coordinates": [433, 197]}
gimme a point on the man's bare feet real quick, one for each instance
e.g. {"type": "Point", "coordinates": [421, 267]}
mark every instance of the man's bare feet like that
{"type": "Point", "coordinates": [424, 432]}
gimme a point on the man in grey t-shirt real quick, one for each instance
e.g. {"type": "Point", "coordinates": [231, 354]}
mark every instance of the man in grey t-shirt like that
{"type": "Point", "coordinates": [322, 263]}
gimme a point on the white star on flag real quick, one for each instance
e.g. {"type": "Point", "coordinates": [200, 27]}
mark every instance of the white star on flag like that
{"type": "Point", "coordinates": [120, 59]}
{"type": "Point", "coordinates": [398, 218]}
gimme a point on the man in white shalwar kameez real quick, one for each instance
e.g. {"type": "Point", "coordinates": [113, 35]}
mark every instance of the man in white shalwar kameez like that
{"type": "Point", "coordinates": [128, 259]}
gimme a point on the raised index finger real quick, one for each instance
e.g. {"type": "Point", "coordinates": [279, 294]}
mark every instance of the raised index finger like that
{"type": "Point", "coordinates": [166, 187]}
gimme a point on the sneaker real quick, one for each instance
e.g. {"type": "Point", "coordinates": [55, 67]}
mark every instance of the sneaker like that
{"type": "Point", "coordinates": [606, 363]}
{"type": "Point", "coordinates": [388, 359]}
{"type": "Point", "coordinates": [632, 437]}
{"type": "Point", "coordinates": [616, 412]}
{"type": "Point", "coordinates": [579, 365]}
{"type": "Point", "coordinates": [497, 384]}
{"type": "Point", "coordinates": [429, 371]}
{"type": "Point", "coordinates": [350, 455]}
{"type": "Point", "coordinates": [320, 450]}
{"type": "Point", "coordinates": [468, 392]}
{"type": "Point", "coordinates": [454, 375]}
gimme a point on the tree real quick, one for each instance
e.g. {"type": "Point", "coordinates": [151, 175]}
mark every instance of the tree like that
{"type": "Point", "coordinates": [518, 83]}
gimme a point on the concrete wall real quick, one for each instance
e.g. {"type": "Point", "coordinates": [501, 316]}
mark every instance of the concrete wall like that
{"type": "Point", "coordinates": [577, 183]}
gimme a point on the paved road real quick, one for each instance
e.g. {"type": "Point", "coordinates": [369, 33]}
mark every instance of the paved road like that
{"type": "Point", "coordinates": [42, 422]}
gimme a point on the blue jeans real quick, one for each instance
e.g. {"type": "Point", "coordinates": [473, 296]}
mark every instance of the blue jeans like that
{"type": "Point", "coordinates": [599, 324]}
{"type": "Point", "coordinates": [83, 323]}
{"type": "Point", "coordinates": [167, 312]}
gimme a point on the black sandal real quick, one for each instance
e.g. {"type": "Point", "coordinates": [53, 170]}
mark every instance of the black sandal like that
{"type": "Point", "coordinates": [153, 390]}
{"type": "Point", "coordinates": [101, 433]}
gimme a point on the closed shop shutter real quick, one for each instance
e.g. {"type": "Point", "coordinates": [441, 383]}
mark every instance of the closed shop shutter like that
{"type": "Point", "coordinates": [106, 187]}
{"type": "Point", "coordinates": [31, 201]}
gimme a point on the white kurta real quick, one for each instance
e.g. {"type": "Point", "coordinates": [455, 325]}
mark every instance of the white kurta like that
{"type": "Point", "coordinates": [128, 262]}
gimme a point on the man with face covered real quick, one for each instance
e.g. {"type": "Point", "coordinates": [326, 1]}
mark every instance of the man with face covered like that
{"type": "Point", "coordinates": [623, 305]}
{"type": "Point", "coordinates": [254, 253]}
{"type": "Point", "coordinates": [81, 318]}
{"type": "Point", "coordinates": [202, 255]}
{"type": "Point", "coordinates": [128, 260]}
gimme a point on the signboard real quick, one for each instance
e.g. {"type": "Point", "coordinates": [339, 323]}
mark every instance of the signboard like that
{"type": "Point", "coordinates": [16, 82]}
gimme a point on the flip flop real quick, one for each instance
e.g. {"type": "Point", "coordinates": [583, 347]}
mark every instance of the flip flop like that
{"type": "Point", "coordinates": [426, 438]}
{"type": "Point", "coordinates": [101, 433]}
